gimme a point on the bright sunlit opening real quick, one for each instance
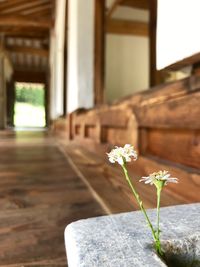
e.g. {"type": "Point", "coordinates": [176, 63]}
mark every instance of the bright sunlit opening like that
{"type": "Point", "coordinates": [29, 110]}
{"type": "Point", "coordinates": [177, 31]}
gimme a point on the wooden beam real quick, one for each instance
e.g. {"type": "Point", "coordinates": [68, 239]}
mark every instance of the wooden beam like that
{"type": "Point", "coordinates": [28, 50]}
{"type": "Point", "coordinates": [65, 60]}
{"type": "Point", "coordinates": [2, 95]}
{"type": "Point", "coordinates": [22, 21]}
{"type": "Point", "coordinates": [38, 9]}
{"type": "Point", "coordinates": [45, 14]}
{"type": "Point", "coordinates": [183, 115]}
{"type": "Point", "coordinates": [24, 6]}
{"type": "Point", "coordinates": [11, 3]}
{"type": "Point", "coordinates": [29, 76]}
{"type": "Point", "coordinates": [99, 52]}
{"type": "Point", "coordinates": [154, 75]}
{"type": "Point", "coordinates": [141, 4]}
{"type": "Point", "coordinates": [113, 7]}
{"type": "Point", "coordinates": [194, 59]}
{"type": "Point", "coordinates": [28, 33]}
{"type": "Point", "coordinates": [10, 92]}
{"type": "Point", "coordinates": [128, 27]}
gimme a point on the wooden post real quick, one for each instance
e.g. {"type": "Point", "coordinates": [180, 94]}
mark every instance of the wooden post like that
{"type": "Point", "coordinates": [99, 50]}
{"type": "Point", "coordinates": [2, 94]}
{"type": "Point", "coordinates": [154, 75]}
{"type": "Point", "coordinates": [65, 61]}
{"type": "Point", "coordinates": [47, 96]}
{"type": "Point", "coordinates": [10, 92]}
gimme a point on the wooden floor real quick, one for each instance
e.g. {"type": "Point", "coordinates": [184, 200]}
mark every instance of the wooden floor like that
{"type": "Point", "coordinates": [40, 194]}
{"type": "Point", "coordinates": [46, 184]}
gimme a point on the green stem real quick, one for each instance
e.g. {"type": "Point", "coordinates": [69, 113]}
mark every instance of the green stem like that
{"type": "Point", "coordinates": [140, 203]}
{"type": "Point", "coordinates": [158, 212]}
{"type": "Point", "coordinates": [158, 245]}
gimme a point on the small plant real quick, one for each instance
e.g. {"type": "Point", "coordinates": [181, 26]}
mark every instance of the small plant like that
{"type": "Point", "coordinates": [125, 154]}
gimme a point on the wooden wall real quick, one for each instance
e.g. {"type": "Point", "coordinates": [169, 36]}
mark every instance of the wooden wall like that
{"type": "Point", "coordinates": [162, 123]}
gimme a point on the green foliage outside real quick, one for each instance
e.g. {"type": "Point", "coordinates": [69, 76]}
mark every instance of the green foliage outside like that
{"type": "Point", "coordinates": [29, 110]}
{"type": "Point", "coordinates": [34, 96]}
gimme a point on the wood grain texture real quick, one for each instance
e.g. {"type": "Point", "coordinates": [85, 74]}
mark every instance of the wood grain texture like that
{"type": "Point", "coordinates": [141, 4]}
{"type": "Point", "coordinates": [109, 183]}
{"type": "Point", "coordinates": [127, 27]}
{"type": "Point", "coordinates": [180, 112]}
{"type": "Point", "coordinates": [163, 124]}
{"type": "Point", "coordinates": [161, 143]}
{"type": "Point", "coordinates": [186, 191]}
{"type": "Point", "coordinates": [39, 195]}
{"type": "Point", "coordinates": [29, 50]}
{"type": "Point", "coordinates": [188, 61]}
{"type": "Point", "coordinates": [21, 21]}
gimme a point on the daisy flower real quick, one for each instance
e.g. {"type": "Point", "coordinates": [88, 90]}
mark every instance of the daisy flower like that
{"type": "Point", "coordinates": [122, 155]}
{"type": "Point", "coordinates": [161, 176]}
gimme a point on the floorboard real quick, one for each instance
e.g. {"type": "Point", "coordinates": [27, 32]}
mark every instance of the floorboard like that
{"type": "Point", "coordinates": [40, 194]}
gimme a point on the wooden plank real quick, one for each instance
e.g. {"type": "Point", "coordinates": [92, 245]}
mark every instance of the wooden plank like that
{"type": "Point", "coordinates": [141, 4]}
{"type": "Point", "coordinates": [96, 176]}
{"type": "Point", "coordinates": [24, 22]}
{"type": "Point", "coordinates": [180, 146]}
{"type": "Point", "coordinates": [114, 117]}
{"type": "Point", "coordinates": [21, 6]}
{"type": "Point", "coordinates": [167, 91]}
{"type": "Point", "coordinates": [118, 197]}
{"type": "Point", "coordinates": [29, 76]}
{"type": "Point", "coordinates": [184, 62]}
{"type": "Point", "coordinates": [186, 191]}
{"type": "Point", "coordinates": [34, 10]}
{"type": "Point", "coordinates": [28, 50]}
{"type": "Point", "coordinates": [46, 14]}
{"type": "Point", "coordinates": [34, 206]}
{"type": "Point", "coordinates": [127, 27]}
{"type": "Point", "coordinates": [11, 3]}
{"type": "Point", "coordinates": [29, 33]}
{"type": "Point", "coordinates": [99, 52]}
{"type": "Point", "coordinates": [176, 113]}
{"type": "Point", "coordinates": [113, 7]}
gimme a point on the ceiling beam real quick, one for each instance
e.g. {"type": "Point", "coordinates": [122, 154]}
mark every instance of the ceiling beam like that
{"type": "Point", "coordinates": [141, 4]}
{"type": "Point", "coordinates": [113, 7]}
{"type": "Point", "coordinates": [127, 27]}
{"type": "Point", "coordinates": [11, 3]}
{"type": "Point", "coordinates": [24, 6]}
{"type": "Point", "coordinates": [26, 34]}
{"type": "Point", "coordinates": [29, 76]}
{"type": "Point", "coordinates": [28, 50]}
{"type": "Point", "coordinates": [29, 32]}
{"type": "Point", "coordinates": [22, 21]}
{"type": "Point", "coordinates": [38, 9]}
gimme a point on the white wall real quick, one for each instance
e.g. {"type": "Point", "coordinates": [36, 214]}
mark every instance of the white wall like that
{"type": "Point", "coordinates": [57, 61]}
{"type": "Point", "coordinates": [126, 65]}
{"type": "Point", "coordinates": [80, 54]}
{"type": "Point", "coordinates": [127, 58]}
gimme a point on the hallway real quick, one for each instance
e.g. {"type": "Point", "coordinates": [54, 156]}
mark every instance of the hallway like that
{"type": "Point", "coordinates": [39, 195]}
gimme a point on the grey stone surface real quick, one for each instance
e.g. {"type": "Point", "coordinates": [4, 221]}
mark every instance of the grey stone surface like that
{"type": "Point", "coordinates": [124, 240]}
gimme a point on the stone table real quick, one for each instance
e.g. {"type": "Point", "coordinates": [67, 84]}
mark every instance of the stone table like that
{"type": "Point", "coordinates": [124, 240]}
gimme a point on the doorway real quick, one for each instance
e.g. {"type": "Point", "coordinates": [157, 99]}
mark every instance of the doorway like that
{"type": "Point", "coordinates": [29, 107]}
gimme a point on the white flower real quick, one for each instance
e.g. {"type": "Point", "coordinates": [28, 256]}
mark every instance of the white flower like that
{"type": "Point", "coordinates": [161, 176]}
{"type": "Point", "coordinates": [122, 154]}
